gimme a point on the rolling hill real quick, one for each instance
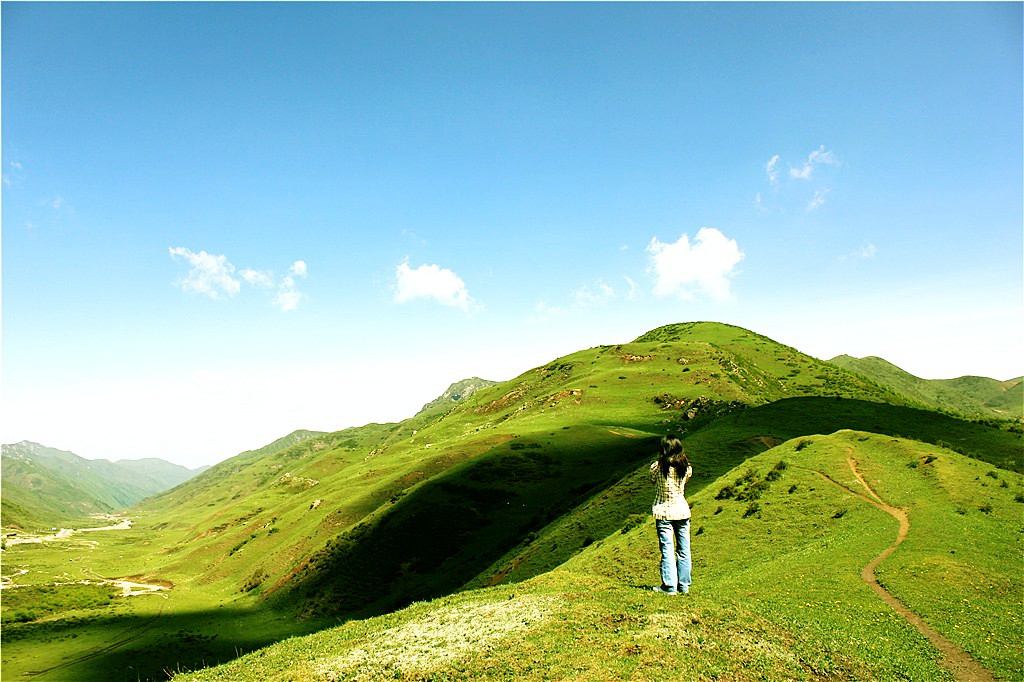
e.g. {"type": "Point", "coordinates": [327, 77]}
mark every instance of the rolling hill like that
{"type": "Point", "coordinates": [970, 396]}
{"type": "Point", "coordinates": [44, 486]}
{"type": "Point", "coordinates": [785, 587]}
{"type": "Point", "coordinates": [531, 493]}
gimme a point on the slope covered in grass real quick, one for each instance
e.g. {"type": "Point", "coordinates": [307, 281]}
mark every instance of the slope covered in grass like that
{"type": "Point", "coordinates": [777, 593]}
{"type": "Point", "coordinates": [975, 397]}
{"type": "Point", "coordinates": [506, 486]}
{"type": "Point", "coordinates": [292, 524]}
{"type": "Point", "coordinates": [44, 487]}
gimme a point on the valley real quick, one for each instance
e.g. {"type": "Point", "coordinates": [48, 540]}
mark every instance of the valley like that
{"type": "Point", "coordinates": [504, 532]}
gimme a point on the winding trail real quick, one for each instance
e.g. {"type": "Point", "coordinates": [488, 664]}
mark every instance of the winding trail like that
{"type": "Point", "coordinates": [956, 660]}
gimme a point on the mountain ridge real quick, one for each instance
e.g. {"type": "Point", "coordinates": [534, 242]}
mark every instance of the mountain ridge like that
{"type": "Point", "coordinates": [44, 485]}
{"type": "Point", "coordinates": [970, 396]}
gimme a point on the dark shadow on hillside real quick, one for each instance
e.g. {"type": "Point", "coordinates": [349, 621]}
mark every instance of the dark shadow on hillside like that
{"type": "Point", "coordinates": [732, 437]}
{"type": "Point", "coordinates": [150, 647]}
{"type": "Point", "coordinates": [434, 539]}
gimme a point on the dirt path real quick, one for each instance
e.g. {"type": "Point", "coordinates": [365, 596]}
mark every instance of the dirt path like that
{"type": "Point", "coordinates": [956, 660]}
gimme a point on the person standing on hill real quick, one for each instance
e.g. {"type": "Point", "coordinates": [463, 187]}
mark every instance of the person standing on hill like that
{"type": "Point", "coordinates": [672, 515]}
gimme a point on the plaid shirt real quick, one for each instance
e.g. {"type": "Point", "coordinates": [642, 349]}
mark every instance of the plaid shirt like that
{"type": "Point", "coordinates": [669, 503]}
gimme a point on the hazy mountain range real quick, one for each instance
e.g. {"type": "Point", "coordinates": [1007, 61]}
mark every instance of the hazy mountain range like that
{"type": "Point", "coordinates": [45, 486]}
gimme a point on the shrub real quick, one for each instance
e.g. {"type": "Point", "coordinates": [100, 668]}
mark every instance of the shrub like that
{"type": "Point", "coordinates": [752, 509]}
{"type": "Point", "coordinates": [726, 493]}
{"type": "Point", "coordinates": [633, 521]}
{"type": "Point", "coordinates": [753, 491]}
{"type": "Point", "coordinates": [985, 508]}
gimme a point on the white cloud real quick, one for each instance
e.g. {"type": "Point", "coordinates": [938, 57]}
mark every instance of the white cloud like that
{"type": "Point", "coordinates": [816, 158]}
{"type": "Point", "coordinates": [431, 281]}
{"type": "Point", "coordinates": [546, 312]}
{"type": "Point", "coordinates": [681, 269]}
{"type": "Point", "coordinates": [287, 299]}
{"type": "Point", "coordinates": [802, 173]}
{"type": "Point", "coordinates": [288, 296]}
{"type": "Point", "coordinates": [863, 253]}
{"type": "Point", "coordinates": [759, 203]}
{"type": "Point", "coordinates": [818, 201]}
{"type": "Point", "coordinates": [600, 294]}
{"type": "Point", "coordinates": [771, 169]}
{"type": "Point", "coordinates": [258, 278]}
{"type": "Point", "coordinates": [634, 290]}
{"type": "Point", "coordinates": [820, 156]}
{"type": "Point", "coordinates": [211, 275]}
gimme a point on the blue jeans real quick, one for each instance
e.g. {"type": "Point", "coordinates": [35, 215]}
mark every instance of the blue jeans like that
{"type": "Point", "coordinates": [675, 565]}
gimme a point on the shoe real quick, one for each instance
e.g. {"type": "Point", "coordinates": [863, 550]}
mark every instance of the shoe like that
{"type": "Point", "coordinates": [683, 590]}
{"type": "Point", "coordinates": [661, 590]}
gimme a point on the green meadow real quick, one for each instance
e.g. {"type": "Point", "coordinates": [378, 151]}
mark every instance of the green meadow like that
{"type": "Point", "coordinates": [506, 535]}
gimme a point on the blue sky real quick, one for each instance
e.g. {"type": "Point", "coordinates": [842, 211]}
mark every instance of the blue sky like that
{"type": "Point", "coordinates": [224, 222]}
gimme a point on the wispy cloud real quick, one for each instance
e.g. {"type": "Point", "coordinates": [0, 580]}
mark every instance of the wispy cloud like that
{"type": "Point", "coordinates": [863, 253]}
{"type": "Point", "coordinates": [771, 169]}
{"type": "Point", "coordinates": [15, 167]}
{"type": "Point", "coordinates": [683, 269]}
{"type": "Point", "coordinates": [816, 158]}
{"type": "Point", "coordinates": [817, 201]}
{"type": "Point", "coordinates": [214, 276]}
{"type": "Point", "coordinates": [210, 275]}
{"type": "Point", "coordinates": [264, 279]}
{"type": "Point", "coordinates": [546, 312]}
{"type": "Point", "coordinates": [432, 282]}
{"type": "Point", "coordinates": [634, 289]}
{"type": "Point", "coordinates": [288, 296]}
{"type": "Point", "coordinates": [759, 203]}
{"type": "Point", "coordinates": [596, 295]}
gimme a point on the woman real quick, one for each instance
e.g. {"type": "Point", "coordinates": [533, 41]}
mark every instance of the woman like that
{"type": "Point", "coordinates": [672, 515]}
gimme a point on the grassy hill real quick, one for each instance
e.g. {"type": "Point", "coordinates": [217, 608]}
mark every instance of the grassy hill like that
{"type": "Point", "coordinates": [44, 486]}
{"type": "Point", "coordinates": [489, 499]}
{"type": "Point", "coordinates": [761, 604]}
{"type": "Point", "coordinates": [302, 525]}
{"type": "Point", "coordinates": [973, 397]}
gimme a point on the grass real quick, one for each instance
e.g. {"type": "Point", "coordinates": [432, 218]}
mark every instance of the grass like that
{"type": "Point", "coordinates": [530, 492]}
{"type": "Point", "coordinates": [776, 594]}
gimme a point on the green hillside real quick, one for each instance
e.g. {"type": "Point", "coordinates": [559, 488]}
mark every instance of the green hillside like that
{"type": "Point", "coordinates": [777, 594]}
{"type": "Point", "coordinates": [503, 490]}
{"type": "Point", "coordinates": [44, 486]}
{"type": "Point", "coordinates": [460, 390]}
{"type": "Point", "coordinates": [974, 397]}
{"type": "Point", "coordinates": [300, 525]}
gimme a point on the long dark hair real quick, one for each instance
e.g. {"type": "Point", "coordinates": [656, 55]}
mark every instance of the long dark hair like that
{"type": "Point", "coordinates": [673, 456]}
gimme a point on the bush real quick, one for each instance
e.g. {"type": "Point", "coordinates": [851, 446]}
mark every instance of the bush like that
{"type": "Point", "coordinates": [752, 509]}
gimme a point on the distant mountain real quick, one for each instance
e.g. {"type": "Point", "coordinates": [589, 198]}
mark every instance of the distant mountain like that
{"type": "Point", "coordinates": [969, 396]}
{"type": "Point", "coordinates": [43, 486]}
{"type": "Point", "coordinates": [283, 443]}
{"type": "Point", "coordinates": [460, 390]}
